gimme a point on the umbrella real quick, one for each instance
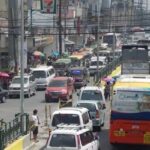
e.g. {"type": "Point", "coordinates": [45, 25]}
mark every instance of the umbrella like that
{"type": "Point", "coordinates": [38, 53]}
{"type": "Point", "coordinates": [108, 79]}
{"type": "Point", "coordinates": [4, 74]}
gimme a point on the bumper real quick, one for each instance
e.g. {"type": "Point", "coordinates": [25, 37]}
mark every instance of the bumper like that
{"type": "Point", "coordinates": [41, 86]}
{"type": "Point", "coordinates": [50, 98]}
{"type": "Point", "coordinates": [17, 92]}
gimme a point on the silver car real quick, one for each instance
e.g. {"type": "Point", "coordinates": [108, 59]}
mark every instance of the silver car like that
{"type": "Point", "coordinates": [29, 86]}
{"type": "Point", "coordinates": [97, 112]}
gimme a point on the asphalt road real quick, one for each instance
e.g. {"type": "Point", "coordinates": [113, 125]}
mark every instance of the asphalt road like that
{"type": "Point", "coordinates": [12, 106]}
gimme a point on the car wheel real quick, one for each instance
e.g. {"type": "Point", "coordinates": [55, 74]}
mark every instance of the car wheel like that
{"type": "Point", "coordinates": [71, 96]}
{"type": "Point", "coordinates": [3, 99]}
{"type": "Point", "coordinates": [29, 94]}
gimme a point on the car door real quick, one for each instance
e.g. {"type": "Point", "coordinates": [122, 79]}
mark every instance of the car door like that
{"type": "Point", "coordinates": [102, 110]}
{"type": "Point", "coordinates": [31, 84]}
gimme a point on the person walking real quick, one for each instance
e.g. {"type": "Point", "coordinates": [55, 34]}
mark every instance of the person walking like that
{"type": "Point", "coordinates": [107, 91]}
{"type": "Point", "coordinates": [35, 125]}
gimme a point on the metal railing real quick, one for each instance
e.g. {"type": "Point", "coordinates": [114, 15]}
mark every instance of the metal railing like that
{"type": "Point", "coordinates": [12, 130]}
{"type": "Point", "coordinates": [108, 69]}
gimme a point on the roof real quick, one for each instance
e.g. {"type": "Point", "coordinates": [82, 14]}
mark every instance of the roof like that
{"type": "Point", "coordinates": [41, 68]}
{"type": "Point", "coordinates": [69, 110]}
{"type": "Point", "coordinates": [65, 60]}
{"type": "Point", "coordinates": [69, 130]}
{"type": "Point", "coordinates": [100, 58]}
{"type": "Point", "coordinates": [78, 68]}
{"type": "Point", "coordinates": [133, 81]}
{"type": "Point", "coordinates": [91, 88]}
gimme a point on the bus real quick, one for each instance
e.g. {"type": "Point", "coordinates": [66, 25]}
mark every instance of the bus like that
{"type": "Point", "coordinates": [110, 38]}
{"type": "Point", "coordinates": [130, 110]}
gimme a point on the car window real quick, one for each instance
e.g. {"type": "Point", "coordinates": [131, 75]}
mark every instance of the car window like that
{"type": "Point", "coordinates": [63, 140]}
{"type": "Point", "coordinates": [39, 74]}
{"type": "Point", "coordinates": [57, 83]}
{"type": "Point", "coordinates": [66, 119]}
{"type": "Point", "coordinates": [86, 118]}
{"type": "Point", "coordinates": [91, 95]}
{"type": "Point", "coordinates": [89, 106]}
{"type": "Point", "coordinates": [86, 138]}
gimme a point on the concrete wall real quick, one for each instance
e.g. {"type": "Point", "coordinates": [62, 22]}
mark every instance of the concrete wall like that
{"type": "Point", "coordinates": [21, 144]}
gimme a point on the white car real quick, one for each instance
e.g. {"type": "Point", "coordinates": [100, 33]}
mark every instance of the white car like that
{"type": "Point", "coordinates": [97, 112]}
{"type": "Point", "coordinates": [91, 93]}
{"type": "Point", "coordinates": [66, 138]}
{"type": "Point", "coordinates": [29, 86]}
{"type": "Point", "coordinates": [73, 117]}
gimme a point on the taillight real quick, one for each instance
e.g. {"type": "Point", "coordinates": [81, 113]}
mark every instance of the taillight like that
{"type": "Point", "coordinates": [78, 142]}
{"type": "Point", "coordinates": [97, 114]}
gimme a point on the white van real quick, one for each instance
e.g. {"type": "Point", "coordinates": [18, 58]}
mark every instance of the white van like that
{"type": "Point", "coordinates": [93, 64]}
{"type": "Point", "coordinates": [43, 75]}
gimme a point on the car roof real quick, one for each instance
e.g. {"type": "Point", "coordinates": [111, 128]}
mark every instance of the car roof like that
{"type": "Point", "coordinates": [78, 68]}
{"type": "Point", "coordinates": [69, 130]}
{"type": "Point", "coordinates": [41, 68]}
{"type": "Point", "coordinates": [74, 110]}
{"type": "Point", "coordinates": [25, 76]}
{"type": "Point", "coordinates": [91, 88]}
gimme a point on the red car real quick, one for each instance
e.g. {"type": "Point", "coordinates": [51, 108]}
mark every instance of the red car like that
{"type": "Point", "coordinates": [59, 88]}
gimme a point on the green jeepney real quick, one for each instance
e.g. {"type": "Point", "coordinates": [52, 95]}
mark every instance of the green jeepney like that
{"type": "Point", "coordinates": [62, 65]}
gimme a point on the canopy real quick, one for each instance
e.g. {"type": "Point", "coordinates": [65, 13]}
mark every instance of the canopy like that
{"type": "Point", "coordinates": [4, 75]}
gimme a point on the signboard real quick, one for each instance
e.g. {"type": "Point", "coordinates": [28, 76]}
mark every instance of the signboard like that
{"type": "Point", "coordinates": [135, 68]}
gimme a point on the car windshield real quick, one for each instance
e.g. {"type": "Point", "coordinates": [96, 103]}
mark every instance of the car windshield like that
{"type": "Point", "coordinates": [39, 74]}
{"type": "Point", "coordinates": [66, 119]}
{"type": "Point", "coordinates": [63, 140]}
{"type": "Point", "coordinates": [89, 106]}
{"type": "Point", "coordinates": [18, 80]}
{"type": "Point", "coordinates": [91, 95]}
{"type": "Point", "coordinates": [57, 83]}
{"type": "Point", "coordinates": [94, 63]}
{"type": "Point", "coordinates": [58, 65]}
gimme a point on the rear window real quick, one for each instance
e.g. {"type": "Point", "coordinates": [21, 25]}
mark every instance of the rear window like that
{"type": "Point", "coordinates": [63, 140]}
{"type": "Point", "coordinates": [89, 106]}
{"type": "Point", "coordinates": [91, 95]}
{"type": "Point", "coordinates": [66, 119]}
{"type": "Point", "coordinates": [39, 74]}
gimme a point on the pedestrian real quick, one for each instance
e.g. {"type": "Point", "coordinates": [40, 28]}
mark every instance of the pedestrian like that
{"type": "Point", "coordinates": [35, 125]}
{"type": "Point", "coordinates": [107, 91]}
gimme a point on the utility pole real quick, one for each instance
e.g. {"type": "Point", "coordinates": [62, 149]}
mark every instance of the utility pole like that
{"type": "Point", "coordinates": [12, 38]}
{"type": "Point", "coordinates": [22, 58]}
{"type": "Point", "coordinates": [60, 29]}
{"type": "Point", "coordinates": [98, 37]}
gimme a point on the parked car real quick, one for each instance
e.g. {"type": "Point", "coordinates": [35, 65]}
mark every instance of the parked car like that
{"type": "Point", "coordinates": [97, 112]}
{"type": "Point", "coordinates": [91, 93]}
{"type": "Point", "coordinates": [29, 86]}
{"type": "Point", "coordinates": [73, 116]}
{"type": "Point", "coordinates": [3, 95]}
{"type": "Point", "coordinates": [68, 138]}
{"type": "Point", "coordinates": [80, 75]}
{"type": "Point", "coordinates": [59, 88]}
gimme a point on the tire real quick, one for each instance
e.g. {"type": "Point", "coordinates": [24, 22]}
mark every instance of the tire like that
{"type": "Point", "coordinates": [3, 99]}
{"type": "Point", "coordinates": [29, 94]}
{"type": "Point", "coordinates": [71, 96]}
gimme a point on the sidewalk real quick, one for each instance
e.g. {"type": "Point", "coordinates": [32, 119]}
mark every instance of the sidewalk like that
{"type": "Point", "coordinates": [42, 138]}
